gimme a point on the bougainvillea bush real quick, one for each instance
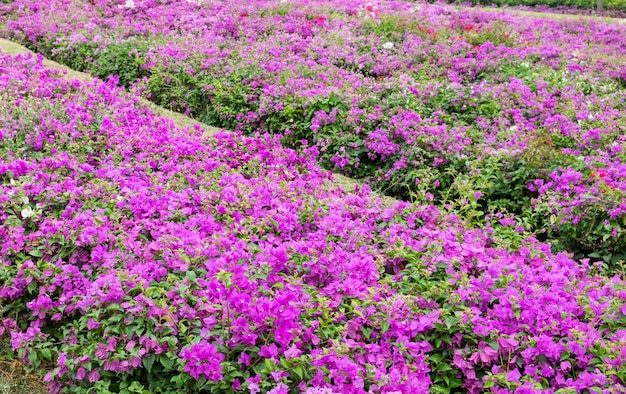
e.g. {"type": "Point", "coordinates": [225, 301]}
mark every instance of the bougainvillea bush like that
{"type": "Point", "coordinates": [138, 257]}
{"type": "Point", "coordinates": [417, 100]}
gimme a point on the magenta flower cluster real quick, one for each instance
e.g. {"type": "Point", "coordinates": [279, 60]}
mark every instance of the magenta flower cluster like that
{"type": "Point", "coordinates": [382, 90]}
{"type": "Point", "coordinates": [203, 359]}
{"type": "Point", "coordinates": [139, 256]}
{"type": "Point", "coordinates": [450, 62]}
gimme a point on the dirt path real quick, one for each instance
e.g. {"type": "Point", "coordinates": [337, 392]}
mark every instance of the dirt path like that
{"type": "Point", "coordinates": [545, 15]}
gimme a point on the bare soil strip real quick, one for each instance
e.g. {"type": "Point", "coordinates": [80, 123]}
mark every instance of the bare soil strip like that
{"type": "Point", "coordinates": [545, 15]}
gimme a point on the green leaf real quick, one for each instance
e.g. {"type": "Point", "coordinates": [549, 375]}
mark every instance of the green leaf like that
{"type": "Point", "coordinates": [269, 365]}
{"type": "Point", "coordinates": [148, 362]}
{"type": "Point", "coordinates": [166, 361]}
{"type": "Point", "coordinates": [455, 382]}
{"type": "Point", "coordinates": [384, 326]}
{"type": "Point", "coordinates": [32, 357]}
{"type": "Point", "coordinates": [35, 253]}
{"type": "Point", "coordinates": [31, 287]}
{"type": "Point", "coordinates": [517, 312]}
{"type": "Point", "coordinates": [436, 357]}
{"type": "Point", "coordinates": [46, 353]}
{"type": "Point", "coordinates": [135, 387]}
{"type": "Point", "coordinates": [299, 371]}
{"type": "Point", "coordinates": [451, 321]}
{"type": "Point", "coordinates": [172, 341]}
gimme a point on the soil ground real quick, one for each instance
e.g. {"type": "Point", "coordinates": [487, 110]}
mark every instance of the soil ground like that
{"type": "Point", "coordinates": [547, 15]}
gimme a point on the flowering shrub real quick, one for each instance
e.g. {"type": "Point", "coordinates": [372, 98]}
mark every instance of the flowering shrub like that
{"type": "Point", "coordinates": [588, 208]}
{"type": "Point", "coordinates": [384, 92]}
{"type": "Point", "coordinates": [139, 257]}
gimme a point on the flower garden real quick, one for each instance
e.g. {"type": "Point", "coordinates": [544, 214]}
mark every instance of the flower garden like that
{"type": "Point", "coordinates": [141, 257]}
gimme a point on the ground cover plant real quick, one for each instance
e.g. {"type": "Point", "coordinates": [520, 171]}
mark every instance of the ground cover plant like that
{"type": "Point", "coordinates": [139, 257]}
{"type": "Point", "coordinates": [421, 102]}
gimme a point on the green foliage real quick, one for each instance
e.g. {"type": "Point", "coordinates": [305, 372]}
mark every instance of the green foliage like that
{"type": "Point", "coordinates": [584, 4]}
{"type": "Point", "coordinates": [76, 56]}
{"type": "Point", "coordinates": [124, 59]}
{"type": "Point", "coordinates": [217, 99]}
{"type": "Point", "coordinates": [393, 27]}
{"type": "Point", "coordinates": [595, 235]}
{"type": "Point", "coordinates": [278, 10]}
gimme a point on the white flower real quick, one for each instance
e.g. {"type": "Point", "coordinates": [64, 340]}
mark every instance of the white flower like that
{"type": "Point", "coordinates": [130, 4]}
{"type": "Point", "coordinates": [388, 45]}
{"type": "Point", "coordinates": [27, 212]}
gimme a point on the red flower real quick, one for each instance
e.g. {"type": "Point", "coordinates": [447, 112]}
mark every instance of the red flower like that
{"type": "Point", "coordinates": [598, 174]}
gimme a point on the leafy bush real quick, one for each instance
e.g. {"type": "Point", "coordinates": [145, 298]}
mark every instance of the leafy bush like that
{"type": "Point", "coordinates": [475, 106]}
{"type": "Point", "coordinates": [587, 212]}
{"type": "Point", "coordinates": [139, 257]}
{"type": "Point", "coordinates": [421, 103]}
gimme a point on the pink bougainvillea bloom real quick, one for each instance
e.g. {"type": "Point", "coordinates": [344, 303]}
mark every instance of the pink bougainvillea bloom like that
{"type": "Point", "coordinates": [94, 376]}
{"type": "Point", "coordinates": [92, 324]}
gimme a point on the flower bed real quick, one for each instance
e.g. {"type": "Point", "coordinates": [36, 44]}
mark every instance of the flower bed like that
{"type": "Point", "coordinates": [139, 257]}
{"type": "Point", "coordinates": [410, 97]}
